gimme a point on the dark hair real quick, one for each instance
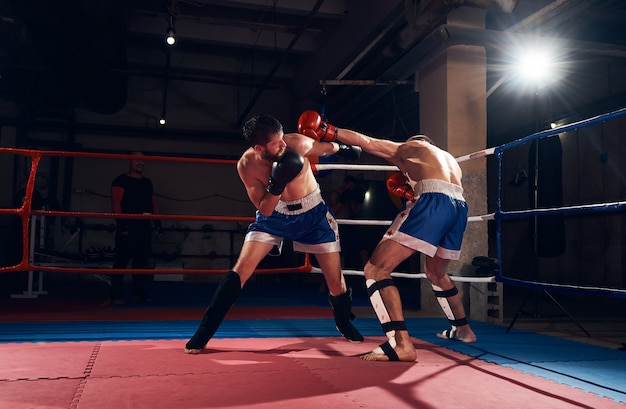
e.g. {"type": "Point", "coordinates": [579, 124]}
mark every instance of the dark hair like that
{"type": "Point", "coordinates": [421, 138]}
{"type": "Point", "coordinates": [258, 129]}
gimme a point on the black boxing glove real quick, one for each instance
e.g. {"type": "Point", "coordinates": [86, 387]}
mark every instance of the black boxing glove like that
{"type": "Point", "coordinates": [348, 151]}
{"type": "Point", "coordinates": [283, 172]}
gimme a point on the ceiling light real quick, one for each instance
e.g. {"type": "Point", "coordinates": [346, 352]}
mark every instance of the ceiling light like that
{"type": "Point", "coordinates": [162, 121]}
{"type": "Point", "coordinates": [171, 39]}
{"type": "Point", "coordinates": [171, 33]}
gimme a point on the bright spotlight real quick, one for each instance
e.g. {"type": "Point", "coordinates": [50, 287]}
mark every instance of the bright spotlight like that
{"type": "Point", "coordinates": [536, 65]}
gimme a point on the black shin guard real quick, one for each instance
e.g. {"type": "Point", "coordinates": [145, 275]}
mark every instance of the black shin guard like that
{"type": "Point", "coordinates": [224, 297]}
{"type": "Point", "coordinates": [342, 310]}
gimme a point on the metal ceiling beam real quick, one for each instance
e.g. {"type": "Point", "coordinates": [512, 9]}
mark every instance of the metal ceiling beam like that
{"type": "Point", "coordinates": [446, 36]}
{"type": "Point", "coordinates": [302, 7]}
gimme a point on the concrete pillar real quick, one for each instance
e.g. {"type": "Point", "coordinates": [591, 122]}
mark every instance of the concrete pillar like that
{"type": "Point", "coordinates": [453, 112]}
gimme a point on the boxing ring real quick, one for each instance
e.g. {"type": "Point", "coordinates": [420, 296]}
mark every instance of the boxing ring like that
{"type": "Point", "coordinates": [78, 362]}
{"type": "Point", "coordinates": [27, 213]}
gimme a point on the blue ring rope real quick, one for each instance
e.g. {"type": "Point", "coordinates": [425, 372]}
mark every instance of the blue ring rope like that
{"type": "Point", "coordinates": [500, 215]}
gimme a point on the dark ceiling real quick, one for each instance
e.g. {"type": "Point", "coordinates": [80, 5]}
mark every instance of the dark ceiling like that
{"type": "Point", "coordinates": [58, 58]}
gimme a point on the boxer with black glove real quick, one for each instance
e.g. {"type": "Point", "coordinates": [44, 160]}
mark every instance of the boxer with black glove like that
{"type": "Point", "coordinates": [276, 171]}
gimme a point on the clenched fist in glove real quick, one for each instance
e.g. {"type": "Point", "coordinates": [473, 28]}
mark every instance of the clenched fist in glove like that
{"type": "Point", "coordinates": [310, 124]}
{"type": "Point", "coordinates": [397, 185]}
{"type": "Point", "coordinates": [284, 171]}
{"type": "Point", "coordinates": [348, 151]}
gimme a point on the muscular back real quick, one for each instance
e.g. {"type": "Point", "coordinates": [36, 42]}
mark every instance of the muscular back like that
{"type": "Point", "coordinates": [416, 158]}
{"type": "Point", "coordinates": [420, 160]}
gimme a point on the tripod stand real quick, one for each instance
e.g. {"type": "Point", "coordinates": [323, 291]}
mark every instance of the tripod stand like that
{"type": "Point", "coordinates": [520, 311]}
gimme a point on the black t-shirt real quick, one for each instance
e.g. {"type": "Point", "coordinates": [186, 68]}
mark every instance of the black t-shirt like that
{"type": "Point", "coordinates": [137, 197]}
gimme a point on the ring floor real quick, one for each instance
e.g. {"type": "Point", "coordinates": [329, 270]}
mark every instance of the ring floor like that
{"type": "Point", "coordinates": [278, 348]}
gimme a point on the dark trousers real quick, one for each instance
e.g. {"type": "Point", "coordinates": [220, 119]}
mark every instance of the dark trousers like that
{"type": "Point", "coordinates": [134, 246]}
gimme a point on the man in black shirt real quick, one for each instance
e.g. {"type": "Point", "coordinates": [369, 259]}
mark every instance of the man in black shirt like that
{"type": "Point", "coordinates": [132, 193]}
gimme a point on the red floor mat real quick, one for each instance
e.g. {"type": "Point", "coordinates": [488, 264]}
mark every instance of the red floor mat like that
{"type": "Point", "coordinates": [265, 373]}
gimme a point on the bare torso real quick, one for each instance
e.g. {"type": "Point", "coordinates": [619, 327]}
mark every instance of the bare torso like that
{"type": "Point", "coordinates": [254, 171]}
{"type": "Point", "coordinates": [257, 170]}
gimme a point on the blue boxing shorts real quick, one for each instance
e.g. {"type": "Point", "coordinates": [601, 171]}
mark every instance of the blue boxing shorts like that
{"type": "Point", "coordinates": [434, 221]}
{"type": "Point", "coordinates": [308, 222]}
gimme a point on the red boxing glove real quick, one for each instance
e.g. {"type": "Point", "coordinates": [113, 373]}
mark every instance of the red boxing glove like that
{"type": "Point", "coordinates": [397, 186]}
{"type": "Point", "coordinates": [310, 124]}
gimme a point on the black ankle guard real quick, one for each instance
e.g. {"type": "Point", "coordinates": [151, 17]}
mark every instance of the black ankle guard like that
{"type": "Point", "coordinates": [342, 311]}
{"type": "Point", "coordinates": [224, 297]}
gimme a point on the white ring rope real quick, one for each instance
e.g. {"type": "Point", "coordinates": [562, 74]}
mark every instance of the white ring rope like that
{"type": "Point", "coordinates": [476, 155]}
{"type": "Point", "coordinates": [343, 166]}
{"type": "Point", "coordinates": [464, 279]}
{"type": "Point", "coordinates": [392, 168]}
{"type": "Point", "coordinates": [364, 222]}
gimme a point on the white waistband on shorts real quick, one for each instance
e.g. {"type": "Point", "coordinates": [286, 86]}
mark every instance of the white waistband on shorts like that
{"type": "Point", "coordinates": [439, 186]}
{"type": "Point", "coordinates": [294, 207]}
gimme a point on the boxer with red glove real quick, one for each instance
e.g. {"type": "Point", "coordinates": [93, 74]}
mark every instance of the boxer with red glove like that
{"type": "Point", "coordinates": [310, 124]}
{"type": "Point", "coordinates": [397, 185]}
{"type": "Point", "coordinates": [432, 223]}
